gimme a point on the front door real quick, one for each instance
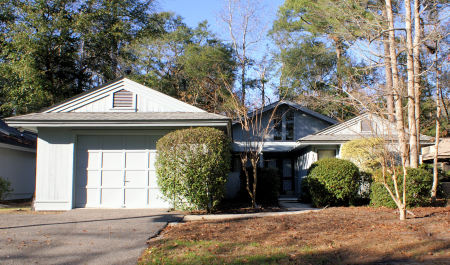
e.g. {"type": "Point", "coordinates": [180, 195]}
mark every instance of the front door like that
{"type": "Point", "coordinates": [287, 177]}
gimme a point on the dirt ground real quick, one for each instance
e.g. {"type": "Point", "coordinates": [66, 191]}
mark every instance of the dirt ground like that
{"type": "Point", "coordinates": [354, 235]}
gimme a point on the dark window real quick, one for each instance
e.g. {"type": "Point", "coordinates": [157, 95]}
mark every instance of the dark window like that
{"type": "Point", "coordinates": [326, 153]}
{"type": "Point", "coordinates": [277, 129]}
{"type": "Point", "coordinates": [290, 125]}
{"type": "Point", "coordinates": [123, 99]}
{"type": "Point", "coordinates": [366, 126]}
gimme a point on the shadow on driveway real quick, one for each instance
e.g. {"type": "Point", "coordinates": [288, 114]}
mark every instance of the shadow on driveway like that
{"type": "Point", "coordinates": [80, 236]}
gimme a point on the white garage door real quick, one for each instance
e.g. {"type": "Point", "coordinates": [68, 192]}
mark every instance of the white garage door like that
{"type": "Point", "coordinates": [117, 172]}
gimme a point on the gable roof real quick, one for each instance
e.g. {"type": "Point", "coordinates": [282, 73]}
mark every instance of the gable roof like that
{"type": "Point", "coordinates": [331, 134]}
{"type": "Point", "coordinates": [301, 108]}
{"type": "Point", "coordinates": [167, 103]}
{"type": "Point", "coordinates": [95, 108]}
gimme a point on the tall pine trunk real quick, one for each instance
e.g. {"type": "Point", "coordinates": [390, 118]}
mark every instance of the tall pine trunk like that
{"type": "Point", "coordinates": [414, 154]}
{"type": "Point", "coordinates": [438, 127]}
{"type": "Point", "coordinates": [397, 98]}
{"type": "Point", "coordinates": [417, 67]}
{"type": "Point", "coordinates": [388, 75]}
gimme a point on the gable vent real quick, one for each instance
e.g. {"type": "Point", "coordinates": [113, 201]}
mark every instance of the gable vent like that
{"type": "Point", "coordinates": [123, 99]}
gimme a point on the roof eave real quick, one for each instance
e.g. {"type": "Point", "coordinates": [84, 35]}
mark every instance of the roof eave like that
{"type": "Point", "coordinates": [33, 125]}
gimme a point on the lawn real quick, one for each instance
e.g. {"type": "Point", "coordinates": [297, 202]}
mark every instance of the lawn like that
{"type": "Point", "coordinates": [354, 235]}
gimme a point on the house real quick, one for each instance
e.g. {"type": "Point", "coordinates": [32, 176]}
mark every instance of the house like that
{"type": "Point", "coordinates": [290, 123]}
{"type": "Point", "coordinates": [301, 137]}
{"type": "Point", "coordinates": [98, 149]}
{"type": "Point", "coordinates": [18, 161]}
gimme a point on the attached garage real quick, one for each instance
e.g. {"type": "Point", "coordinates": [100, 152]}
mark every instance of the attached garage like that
{"type": "Point", "coordinates": [95, 152]}
{"type": "Point", "coordinates": [117, 171]}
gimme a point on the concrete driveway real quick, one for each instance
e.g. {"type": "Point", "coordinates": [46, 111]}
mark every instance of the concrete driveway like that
{"type": "Point", "coordinates": [80, 236]}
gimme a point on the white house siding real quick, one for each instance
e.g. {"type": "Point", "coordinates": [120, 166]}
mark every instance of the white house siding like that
{"type": "Point", "coordinates": [18, 166]}
{"type": "Point", "coordinates": [146, 100]}
{"type": "Point", "coordinates": [54, 169]}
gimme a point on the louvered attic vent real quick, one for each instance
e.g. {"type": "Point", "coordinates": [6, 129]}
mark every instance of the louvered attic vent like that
{"type": "Point", "coordinates": [123, 99]}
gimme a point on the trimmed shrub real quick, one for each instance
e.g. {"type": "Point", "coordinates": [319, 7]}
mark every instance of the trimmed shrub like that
{"type": "Point", "coordinates": [5, 188]}
{"type": "Point", "coordinates": [192, 167]}
{"type": "Point", "coordinates": [267, 188]}
{"type": "Point", "coordinates": [418, 187]}
{"type": "Point", "coordinates": [332, 181]}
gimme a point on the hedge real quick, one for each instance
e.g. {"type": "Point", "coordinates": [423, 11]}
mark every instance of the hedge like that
{"type": "Point", "coordinates": [5, 188]}
{"type": "Point", "coordinates": [332, 181]}
{"type": "Point", "coordinates": [192, 166]}
{"type": "Point", "coordinates": [418, 187]}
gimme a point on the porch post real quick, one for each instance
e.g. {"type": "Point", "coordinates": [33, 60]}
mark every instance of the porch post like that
{"type": "Point", "coordinates": [261, 160]}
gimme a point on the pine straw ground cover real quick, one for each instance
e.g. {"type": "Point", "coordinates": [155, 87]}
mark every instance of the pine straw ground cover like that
{"type": "Point", "coordinates": [355, 235]}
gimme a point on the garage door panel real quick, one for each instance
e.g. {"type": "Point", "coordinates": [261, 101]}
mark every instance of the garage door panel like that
{"type": "Point", "coordinates": [93, 197]}
{"type": "Point", "coordinates": [93, 160]}
{"type": "Point", "coordinates": [112, 160]}
{"type": "Point", "coordinates": [136, 160]}
{"type": "Point", "coordinates": [152, 158]}
{"type": "Point", "coordinates": [112, 179]}
{"type": "Point", "coordinates": [136, 178]}
{"type": "Point", "coordinates": [153, 183]}
{"type": "Point", "coordinates": [155, 199]}
{"type": "Point", "coordinates": [135, 198]}
{"type": "Point", "coordinates": [93, 179]}
{"type": "Point", "coordinates": [112, 197]}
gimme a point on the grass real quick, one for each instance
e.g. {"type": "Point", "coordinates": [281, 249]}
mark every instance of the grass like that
{"type": "Point", "coordinates": [16, 210]}
{"type": "Point", "coordinates": [354, 235]}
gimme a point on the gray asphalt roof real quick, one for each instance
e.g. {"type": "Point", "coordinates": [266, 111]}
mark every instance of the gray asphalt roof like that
{"type": "Point", "coordinates": [117, 116]}
{"type": "Point", "coordinates": [348, 137]}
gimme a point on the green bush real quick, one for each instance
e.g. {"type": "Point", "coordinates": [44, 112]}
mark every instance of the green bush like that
{"type": "Point", "coordinates": [332, 181]}
{"type": "Point", "coordinates": [192, 167]}
{"type": "Point", "coordinates": [418, 187]}
{"type": "Point", "coordinates": [5, 188]}
{"type": "Point", "coordinates": [267, 187]}
{"type": "Point", "coordinates": [442, 175]}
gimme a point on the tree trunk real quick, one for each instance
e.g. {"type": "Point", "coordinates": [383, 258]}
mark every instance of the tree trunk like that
{"type": "Point", "coordinates": [402, 213]}
{"type": "Point", "coordinates": [243, 85]}
{"type": "Point", "coordinates": [388, 75]}
{"type": "Point", "coordinates": [400, 126]}
{"type": "Point", "coordinates": [417, 67]}
{"type": "Point", "coordinates": [414, 154]}
{"type": "Point", "coordinates": [438, 125]}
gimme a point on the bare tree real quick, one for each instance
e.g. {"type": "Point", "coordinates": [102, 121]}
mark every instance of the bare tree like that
{"type": "Point", "coordinates": [255, 130]}
{"type": "Point", "coordinates": [414, 152]}
{"type": "Point", "coordinates": [438, 128]}
{"type": "Point", "coordinates": [242, 18]}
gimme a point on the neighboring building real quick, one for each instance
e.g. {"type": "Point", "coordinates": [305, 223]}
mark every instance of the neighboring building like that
{"type": "Point", "coordinates": [98, 149]}
{"type": "Point", "coordinates": [428, 153]}
{"type": "Point", "coordinates": [18, 161]}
